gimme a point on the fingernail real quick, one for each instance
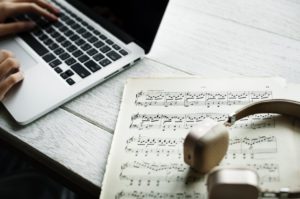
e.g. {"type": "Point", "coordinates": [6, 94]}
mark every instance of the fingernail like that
{"type": "Point", "coordinates": [57, 10]}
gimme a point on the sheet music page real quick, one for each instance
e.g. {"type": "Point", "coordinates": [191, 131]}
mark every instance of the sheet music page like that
{"type": "Point", "coordinates": [146, 157]}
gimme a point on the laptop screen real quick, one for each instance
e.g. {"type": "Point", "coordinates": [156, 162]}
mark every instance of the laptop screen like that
{"type": "Point", "coordinates": [138, 19]}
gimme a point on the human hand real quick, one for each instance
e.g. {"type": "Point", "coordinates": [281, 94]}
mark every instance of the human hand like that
{"type": "Point", "coordinates": [10, 8]}
{"type": "Point", "coordinates": [10, 73]}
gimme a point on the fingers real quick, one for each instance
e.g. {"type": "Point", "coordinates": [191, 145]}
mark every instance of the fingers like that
{"type": "Point", "coordinates": [4, 54]}
{"type": "Point", "coordinates": [46, 5]}
{"type": "Point", "coordinates": [8, 66]}
{"type": "Point", "coordinates": [15, 27]}
{"type": "Point", "coordinates": [9, 82]}
{"type": "Point", "coordinates": [9, 72]}
{"type": "Point", "coordinates": [15, 8]}
{"type": "Point", "coordinates": [43, 3]}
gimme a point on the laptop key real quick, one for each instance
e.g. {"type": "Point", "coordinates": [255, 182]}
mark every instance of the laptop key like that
{"type": "Point", "coordinates": [58, 70]}
{"type": "Point", "coordinates": [43, 37]}
{"type": "Point", "coordinates": [69, 73]}
{"type": "Point", "coordinates": [58, 24]}
{"type": "Point", "coordinates": [123, 52]}
{"type": "Point", "coordinates": [80, 42]}
{"type": "Point", "coordinates": [96, 32]}
{"type": "Point", "coordinates": [93, 39]}
{"type": "Point", "coordinates": [77, 53]}
{"type": "Point", "coordinates": [83, 58]}
{"type": "Point", "coordinates": [105, 62]}
{"type": "Point", "coordinates": [55, 34]}
{"type": "Point", "coordinates": [70, 61]}
{"type": "Point", "coordinates": [60, 39]}
{"type": "Point", "coordinates": [48, 42]}
{"type": "Point", "coordinates": [38, 32]}
{"type": "Point", "coordinates": [49, 57]}
{"type": "Point", "coordinates": [105, 49]}
{"type": "Point", "coordinates": [55, 63]}
{"type": "Point", "coordinates": [103, 37]}
{"type": "Point", "coordinates": [69, 33]}
{"type": "Point", "coordinates": [98, 57]}
{"type": "Point", "coordinates": [53, 46]}
{"type": "Point", "coordinates": [64, 56]}
{"type": "Point", "coordinates": [59, 51]}
{"type": "Point", "coordinates": [66, 44]}
{"type": "Point", "coordinates": [93, 66]}
{"type": "Point", "coordinates": [70, 81]}
{"type": "Point", "coordinates": [113, 55]}
{"type": "Point", "coordinates": [92, 52]}
{"type": "Point", "coordinates": [75, 26]}
{"type": "Point", "coordinates": [116, 47]}
{"type": "Point", "coordinates": [109, 42]}
{"type": "Point", "coordinates": [86, 35]}
{"type": "Point", "coordinates": [64, 75]}
{"type": "Point", "coordinates": [72, 48]}
{"type": "Point", "coordinates": [69, 22]}
{"type": "Point", "coordinates": [49, 30]}
{"type": "Point", "coordinates": [63, 29]}
{"type": "Point", "coordinates": [80, 70]}
{"type": "Point", "coordinates": [74, 37]}
{"type": "Point", "coordinates": [81, 31]}
{"type": "Point", "coordinates": [98, 44]}
{"type": "Point", "coordinates": [86, 47]}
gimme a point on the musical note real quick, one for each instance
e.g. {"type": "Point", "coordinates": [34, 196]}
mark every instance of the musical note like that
{"type": "Point", "coordinates": [164, 98]}
{"type": "Point", "coordinates": [144, 172]}
{"type": "Point", "coordinates": [188, 121]}
{"type": "Point", "coordinates": [144, 145]}
{"type": "Point", "coordinates": [159, 195]}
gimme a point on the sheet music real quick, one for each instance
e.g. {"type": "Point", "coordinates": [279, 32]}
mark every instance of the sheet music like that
{"type": "Point", "coordinates": [146, 157]}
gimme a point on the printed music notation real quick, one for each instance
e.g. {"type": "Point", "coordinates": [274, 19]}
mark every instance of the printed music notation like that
{"type": "Point", "coordinates": [147, 173]}
{"type": "Point", "coordinates": [252, 145]}
{"type": "Point", "coordinates": [267, 172]}
{"type": "Point", "coordinates": [164, 98]}
{"type": "Point", "coordinates": [170, 147]}
{"type": "Point", "coordinates": [144, 145]}
{"type": "Point", "coordinates": [187, 121]}
{"type": "Point", "coordinates": [158, 195]}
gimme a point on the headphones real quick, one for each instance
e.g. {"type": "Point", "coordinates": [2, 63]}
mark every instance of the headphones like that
{"type": "Point", "coordinates": [206, 145]}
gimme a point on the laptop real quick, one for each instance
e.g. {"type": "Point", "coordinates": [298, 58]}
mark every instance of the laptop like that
{"type": "Point", "coordinates": [91, 42]}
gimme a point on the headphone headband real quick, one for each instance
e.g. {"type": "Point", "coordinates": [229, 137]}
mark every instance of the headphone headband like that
{"type": "Point", "coordinates": [279, 106]}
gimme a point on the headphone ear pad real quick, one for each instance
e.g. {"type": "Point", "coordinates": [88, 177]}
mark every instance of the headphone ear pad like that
{"type": "Point", "coordinates": [206, 145]}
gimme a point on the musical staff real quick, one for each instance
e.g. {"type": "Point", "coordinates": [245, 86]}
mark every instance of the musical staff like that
{"type": "Point", "coordinates": [245, 146]}
{"type": "Point", "coordinates": [187, 121]}
{"type": "Point", "coordinates": [147, 173]}
{"type": "Point", "coordinates": [146, 146]}
{"type": "Point", "coordinates": [166, 99]}
{"type": "Point", "coordinates": [158, 195]}
{"type": "Point", "coordinates": [267, 172]}
{"type": "Point", "coordinates": [253, 145]}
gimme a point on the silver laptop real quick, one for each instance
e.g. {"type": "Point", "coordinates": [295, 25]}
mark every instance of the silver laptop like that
{"type": "Point", "coordinates": [92, 41]}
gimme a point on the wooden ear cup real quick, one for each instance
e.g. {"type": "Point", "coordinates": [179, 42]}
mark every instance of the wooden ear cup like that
{"type": "Point", "coordinates": [206, 145]}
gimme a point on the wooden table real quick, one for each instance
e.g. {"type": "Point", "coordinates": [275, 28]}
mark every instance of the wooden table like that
{"type": "Point", "coordinates": [197, 37]}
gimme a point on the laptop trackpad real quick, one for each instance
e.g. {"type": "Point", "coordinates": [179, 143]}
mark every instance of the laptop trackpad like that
{"type": "Point", "coordinates": [19, 52]}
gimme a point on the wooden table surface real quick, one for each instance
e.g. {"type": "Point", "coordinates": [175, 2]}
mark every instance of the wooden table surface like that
{"type": "Point", "coordinates": [208, 38]}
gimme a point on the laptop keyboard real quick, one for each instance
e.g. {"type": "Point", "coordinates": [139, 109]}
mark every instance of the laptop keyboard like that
{"type": "Point", "coordinates": [73, 43]}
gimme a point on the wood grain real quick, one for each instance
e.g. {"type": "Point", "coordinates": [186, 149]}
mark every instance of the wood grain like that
{"type": "Point", "coordinates": [212, 46]}
{"type": "Point", "coordinates": [280, 17]}
{"type": "Point", "coordinates": [76, 144]}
